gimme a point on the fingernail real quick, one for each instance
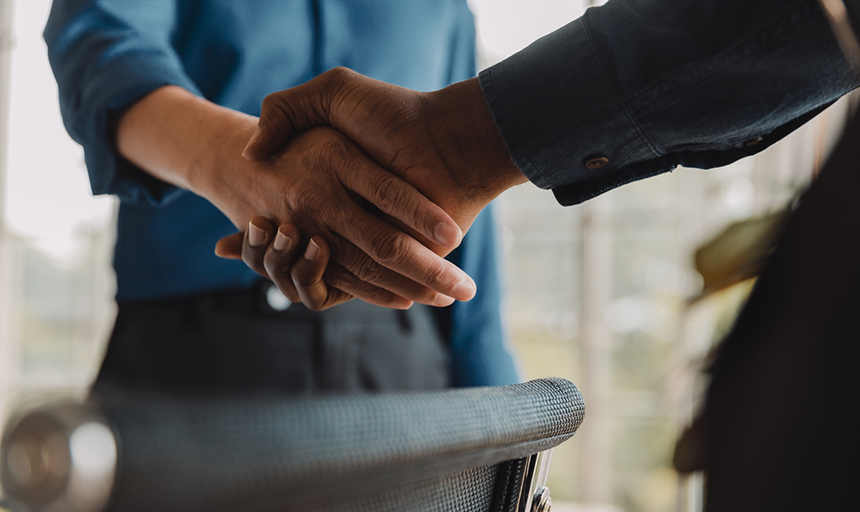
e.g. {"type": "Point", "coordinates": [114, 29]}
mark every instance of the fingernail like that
{"type": "Point", "coordinates": [443, 301]}
{"type": "Point", "coordinates": [256, 236]}
{"type": "Point", "coordinates": [312, 250]}
{"type": "Point", "coordinates": [401, 303]}
{"type": "Point", "coordinates": [447, 235]}
{"type": "Point", "coordinates": [251, 141]}
{"type": "Point", "coordinates": [282, 242]}
{"type": "Point", "coordinates": [464, 290]}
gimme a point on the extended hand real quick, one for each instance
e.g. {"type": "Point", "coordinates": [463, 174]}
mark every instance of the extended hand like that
{"type": "Point", "coordinates": [318, 181]}
{"type": "Point", "coordinates": [444, 143]}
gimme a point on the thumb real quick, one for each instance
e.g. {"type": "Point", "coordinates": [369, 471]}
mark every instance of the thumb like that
{"type": "Point", "coordinates": [278, 122]}
{"type": "Point", "coordinates": [290, 111]}
{"type": "Point", "coordinates": [230, 247]}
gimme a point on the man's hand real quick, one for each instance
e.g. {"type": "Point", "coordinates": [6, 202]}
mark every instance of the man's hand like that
{"type": "Point", "coordinates": [273, 251]}
{"type": "Point", "coordinates": [444, 143]}
{"type": "Point", "coordinates": [317, 182]}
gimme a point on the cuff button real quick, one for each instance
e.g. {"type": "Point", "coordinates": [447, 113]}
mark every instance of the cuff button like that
{"type": "Point", "coordinates": [596, 162]}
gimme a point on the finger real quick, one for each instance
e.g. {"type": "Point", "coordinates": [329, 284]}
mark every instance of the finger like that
{"type": "Point", "coordinates": [310, 277]}
{"type": "Point", "coordinates": [285, 113]}
{"type": "Point", "coordinates": [290, 111]}
{"type": "Point", "coordinates": [399, 252]}
{"type": "Point", "coordinates": [385, 244]}
{"type": "Point", "coordinates": [307, 274]}
{"type": "Point", "coordinates": [256, 241]}
{"type": "Point", "coordinates": [338, 277]}
{"type": "Point", "coordinates": [393, 195]}
{"type": "Point", "coordinates": [230, 247]}
{"type": "Point", "coordinates": [284, 250]}
{"type": "Point", "coordinates": [364, 272]}
{"type": "Point", "coordinates": [279, 258]}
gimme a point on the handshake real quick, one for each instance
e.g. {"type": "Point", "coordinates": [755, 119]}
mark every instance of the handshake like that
{"type": "Point", "coordinates": [358, 188]}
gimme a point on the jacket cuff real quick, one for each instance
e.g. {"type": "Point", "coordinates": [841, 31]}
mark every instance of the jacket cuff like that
{"type": "Point", "coordinates": [558, 143]}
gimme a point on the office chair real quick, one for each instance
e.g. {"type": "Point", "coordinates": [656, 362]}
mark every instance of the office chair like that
{"type": "Point", "coordinates": [472, 449]}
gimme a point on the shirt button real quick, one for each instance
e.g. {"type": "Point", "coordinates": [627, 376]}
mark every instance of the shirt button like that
{"type": "Point", "coordinates": [752, 142]}
{"type": "Point", "coordinates": [596, 162]}
{"type": "Point", "coordinates": [277, 300]}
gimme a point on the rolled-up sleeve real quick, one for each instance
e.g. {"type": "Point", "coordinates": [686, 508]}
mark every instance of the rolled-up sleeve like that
{"type": "Point", "coordinates": [105, 55]}
{"type": "Point", "coordinates": [634, 89]}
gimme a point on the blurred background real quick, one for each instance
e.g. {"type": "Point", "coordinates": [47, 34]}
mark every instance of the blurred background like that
{"type": "Point", "coordinates": [601, 294]}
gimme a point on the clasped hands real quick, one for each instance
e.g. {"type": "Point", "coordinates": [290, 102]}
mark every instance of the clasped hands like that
{"type": "Point", "coordinates": [379, 182]}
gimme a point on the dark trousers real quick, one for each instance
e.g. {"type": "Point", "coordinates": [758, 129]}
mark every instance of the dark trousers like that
{"type": "Point", "coordinates": [233, 341]}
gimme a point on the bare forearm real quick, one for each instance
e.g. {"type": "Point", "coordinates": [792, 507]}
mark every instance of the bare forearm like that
{"type": "Point", "coordinates": [182, 139]}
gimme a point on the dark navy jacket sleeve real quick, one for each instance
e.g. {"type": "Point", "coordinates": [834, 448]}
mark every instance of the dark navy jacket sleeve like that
{"type": "Point", "coordinates": [105, 55]}
{"type": "Point", "coordinates": [635, 88]}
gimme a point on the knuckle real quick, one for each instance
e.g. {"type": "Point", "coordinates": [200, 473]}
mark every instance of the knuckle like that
{"type": "Point", "coordinates": [305, 277]}
{"type": "Point", "coordinates": [387, 196]}
{"type": "Point", "coordinates": [290, 293]}
{"type": "Point", "coordinates": [270, 100]}
{"type": "Point", "coordinates": [335, 275]}
{"type": "Point", "coordinates": [276, 269]}
{"type": "Point", "coordinates": [324, 156]}
{"type": "Point", "coordinates": [301, 278]}
{"type": "Point", "coordinates": [331, 148]}
{"type": "Point", "coordinates": [369, 271]}
{"type": "Point", "coordinates": [331, 83]}
{"type": "Point", "coordinates": [273, 105]}
{"type": "Point", "coordinates": [308, 200]}
{"type": "Point", "coordinates": [426, 296]}
{"type": "Point", "coordinates": [339, 74]}
{"type": "Point", "coordinates": [389, 249]}
{"type": "Point", "coordinates": [286, 286]}
{"type": "Point", "coordinates": [314, 303]}
{"type": "Point", "coordinates": [436, 276]}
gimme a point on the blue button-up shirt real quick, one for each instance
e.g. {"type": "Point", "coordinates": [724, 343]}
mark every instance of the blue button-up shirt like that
{"type": "Point", "coordinates": [108, 53]}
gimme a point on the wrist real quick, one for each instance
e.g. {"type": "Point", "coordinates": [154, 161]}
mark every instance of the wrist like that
{"type": "Point", "coordinates": [469, 138]}
{"type": "Point", "coordinates": [184, 140]}
{"type": "Point", "coordinates": [214, 165]}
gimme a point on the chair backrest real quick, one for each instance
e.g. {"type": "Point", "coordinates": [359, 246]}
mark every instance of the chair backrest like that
{"type": "Point", "coordinates": [458, 449]}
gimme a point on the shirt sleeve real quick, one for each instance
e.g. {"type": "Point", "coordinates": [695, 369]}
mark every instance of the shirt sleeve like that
{"type": "Point", "coordinates": [635, 88]}
{"type": "Point", "coordinates": [105, 55]}
{"type": "Point", "coordinates": [479, 342]}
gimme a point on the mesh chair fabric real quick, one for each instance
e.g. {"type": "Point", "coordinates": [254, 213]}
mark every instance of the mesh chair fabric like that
{"type": "Point", "coordinates": [433, 450]}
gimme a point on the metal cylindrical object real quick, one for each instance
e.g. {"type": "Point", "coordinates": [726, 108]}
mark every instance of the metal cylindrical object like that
{"type": "Point", "coordinates": [542, 502]}
{"type": "Point", "coordinates": [61, 458]}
